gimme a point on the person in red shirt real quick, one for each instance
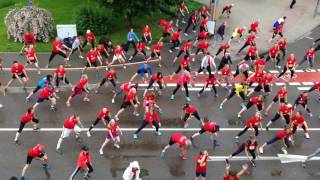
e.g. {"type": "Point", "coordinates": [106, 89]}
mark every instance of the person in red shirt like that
{"type": "Point", "coordinates": [285, 112]}
{"type": "Point", "coordinates": [149, 101]}
{"type": "Point", "coordinates": [185, 48]}
{"type": "Point", "coordinates": [175, 40]}
{"type": "Point", "coordinates": [257, 101]}
{"type": "Point", "coordinates": [155, 78]}
{"type": "Point", "coordinates": [28, 38]}
{"type": "Point", "coordinates": [234, 175]}
{"type": "Point", "coordinates": [92, 58]}
{"type": "Point", "coordinates": [274, 55]}
{"type": "Point", "coordinates": [47, 93]}
{"type": "Point", "coordinates": [183, 80]}
{"type": "Point", "coordinates": [203, 12]}
{"type": "Point", "coordinates": [167, 30]}
{"type": "Point", "coordinates": [184, 66]}
{"type": "Point", "coordinates": [303, 101]}
{"type": "Point", "coordinates": [37, 152]}
{"type": "Point", "coordinates": [203, 47]}
{"type": "Point", "coordinates": [27, 117]}
{"type": "Point", "coordinates": [146, 34]}
{"type": "Point", "coordinates": [211, 82]}
{"type": "Point", "coordinates": [113, 133]}
{"type": "Point", "coordinates": [316, 86]}
{"type": "Point", "coordinates": [103, 54]}
{"type": "Point", "coordinates": [264, 83]}
{"type": "Point", "coordinates": [70, 125]}
{"type": "Point", "coordinates": [204, 24]}
{"type": "Point", "coordinates": [182, 9]}
{"type": "Point", "coordinates": [58, 48]}
{"type": "Point", "coordinates": [18, 72]}
{"type": "Point", "coordinates": [191, 21]}
{"type": "Point", "coordinates": [155, 52]}
{"type": "Point", "coordinates": [281, 97]}
{"type": "Point", "coordinates": [202, 35]}
{"type": "Point", "coordinates": [210, 127]}
{"type": "Point", "coordinates": [140, 49]}
{"type": "Point", "coordinates": [78, 89]}
{"type": "Point", "coordinates": [130, 99]}
{"type": "Point", "coordinates": [151, 118]}
{"type": "Point", "coordinates": [201, 165]}
{"type": "Point", "coordinates": [290, 65]}
{"type": "Point", "coordinates": [250, 146]}
{"type": "Point", "coordinates": [90, 39]}
{"type": "Point", "coordinates": [84, 163]}
{"type": "Point", "coordinates": [277, 31]}
{"type": "Point", "coordinates": [60, 75]}
{"type": "Point", "coordinates": [282, 43]}
{"type": "Point", "coordinates": [249, 42]}
{"type": "Point", "coordinates": [189, 110]}
{"type": "Point", "coordinates": [254, 27]}
{"type": "Point", "coordinates": [238, 33]}
{"type": "Point", "coordinates": [32, 58]}
{"type": "Point", "coordinates": [183, 143]}
{"type": "Point", "coordinates": [104, 115]}
{"type": "Point", "coordinates": [227, 9]}
{"type": "Point", "coordinates": [310, 55]}
{"type": "Point", "coordinates": [111, 76]}
{"type": "Point", "coordinates": [226, 74]}
{"type": "Point", "coordinates": [252, 54]}
{"type": "Point", "coordinates": [298, 121]}
{"type": "Point", "coordinates": [125, 88]}
{"type": "Point", "coordinates": [252, 123]}
{"type": "Point", "coordinates": [224, 48]}
{"type": "Point", "coordinates": [118, 54]}
{"type": "Point", "coordinates": [285, 135]}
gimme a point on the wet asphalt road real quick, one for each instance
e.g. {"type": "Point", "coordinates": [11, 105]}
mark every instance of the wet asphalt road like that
{"type": "Point", "coordinates": [146, 149]}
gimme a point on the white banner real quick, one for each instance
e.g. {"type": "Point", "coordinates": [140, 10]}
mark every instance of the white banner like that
{"type": "Point", "coordinates": [66, 30]}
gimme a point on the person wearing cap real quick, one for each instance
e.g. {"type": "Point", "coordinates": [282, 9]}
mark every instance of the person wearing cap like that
{"type": "Point", "coordinates": [90, 39]}
{"type": "Point", "coordinates": [113, 133]}
{"type": "Point", "coordinates": [84, 163]}
{"type": "Point", "coordinates": [37, 152]}
{"type": "Point", "coordinates": [132, 172]}
{"type": "Point", "coordinates": [183, 143]}
{"type": "Point", "coordinates": [285, 112]}
{"type": "Point", "coordinates": [211, 127]}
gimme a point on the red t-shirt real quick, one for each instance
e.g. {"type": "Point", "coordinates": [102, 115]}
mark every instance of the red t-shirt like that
{"type": "Point", "coordinates": [27, 117]}
{"type": "Point", "coordinates": [265, 80]}
{"type": "Point", "coordinates": [278, 28]}
{"type": "Point", "coordinates": [291, 61]}
{"type": "Point", "coordinates": [70, 123]}
{"type": "Point", "coordinates": [250, 38]}
{"type": "Point", "coordinates": [201, 167]}
{"type": "Point", "coordinates": [253, 121]}
{"type": "Point", "coordinates": [82, 83]}
{"type": "Point", "coordinates": [92, 56]}
{"type": "Point", "coordinates": [180, 139]}
{"type": "Point", "coordinates": [113, 129]}
{"type": "Point", "coordinates": [17, 69]}
{"type": "Point", "coordinates": [45, 93]}
{"type": "Point", "coordinates": [273, 51]}
{"type": "Point", "coordinates": [254, 25]}
{"type": "Point", "coordinates": [224, 47]}
{"type": "Point", "coordinates": [110, 74]}
{"type": "Point", "coordinates": [56, 45]}
{"type": "Point", "coordinates": [256, 100]}
{"type": "Point", "coordinates": [282, 44]}
{"type": "Point", "coordinates": [146, 31]}
{"type": "Point", "coordinates": [190, 109]}
{"type": "Point", "coordinates": [259, 63]}
{"type": "Point", "coordinates": [126, 87]}
{"type": "Point", "coordinates": [311, 53]}
{"type": "Point", "coordinates": [31, 54]}
{"type": "Point", "coordinates": [203, 35]}
{"type": "Point", "coordinates": [297, 120]}
{"type": "Point", "coordinates": [101, 48]}
{"type": "Point", "coordinates": [203, 23]}
{"type": "Point", "coordinates": [157, 47]}
{"type": "Point", "coordinates": [118, 51]}
{"type": "Point", "coordinates": [210, 126]}
{"type": "Point", "coordinates": [151, 116]}
{"type": "Point", "coordinates": [140, 46]}
{"type": "Point", "coordinates": [130, 96]}
{"type": "Point", "coordinates": [102, 114]}
{"type": "Point", "coordinates": [240, 30]}
{"type": "Point", "coordinates": [282, 93]}
{"type": "Point", "coordinates": [155, 78]}
{"type": "Point", "coordinates": [252, 51]}
{"type": "Point", "coordinates": [186, 46]}
{"type": "Point", "coordinates": [167, 28]}
{"type": "Point", "coordinates": [230, 178]}
{"type": "Point", "coordinates": [83, 159]}
{"type": "Point", "coordinates": [35, 151]}
{"type": "Point", "coordinates": [60, 72]}
{"type": "Point", "coordinates": [203, 45]}
{"type": "Point", "coordinates": [211, 80]}
{"type": "Point", "coordinates": [27, 37]}
{"type": "Point", "coordinates": [285, 110]}
{"type": "Point", "coordinates": [90, 36]}
{"type": "Point", "coordinates": [175, 36]}
{"type": "Point", "coordinates": [226, 71]}
{"type": "Point", "coordinates": [283, 134]}
{"type": "Point", "coordinates": [185, 62]}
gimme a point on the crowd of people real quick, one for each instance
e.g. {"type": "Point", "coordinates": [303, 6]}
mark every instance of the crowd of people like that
{"type": "Point", "coordinates": [251, 70]}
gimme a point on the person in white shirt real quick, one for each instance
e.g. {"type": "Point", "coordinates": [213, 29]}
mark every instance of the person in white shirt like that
{"type": "Point", "coordinates": [132, 172]}
{"type": "Point", "coordinates": [208, 64]}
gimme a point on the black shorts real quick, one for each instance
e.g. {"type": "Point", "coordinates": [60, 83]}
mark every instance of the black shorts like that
{"type": "Point", "coordinates": [94, 64]}
{"type": "Point", "coordinates": [202, 130]}
{"type": "Point", "coordinates": [153, 54]}
{"type": "Point", "coordinates": [21, 76]}
{"type": "Point", "coordinates": [203, 174]}
{"type": "Point", "coordinates": [127, 103]}
{"type": "Point", "coordinates": [165, 34]}
{"type": "Point", "coordinates": [275, 99]}
{"type": "Point", "coordinates": [266, 88]}
{"type": "Point", "coordinates": [29, 158]}
{"type": "Point", "coordinates": [247, 58]}
{"type": "Point", "coordinates": [31, 61]}
{"type": "Point", "coordinates": [171, 142]}
{"type": "Point", "coordinates": [40, 100]}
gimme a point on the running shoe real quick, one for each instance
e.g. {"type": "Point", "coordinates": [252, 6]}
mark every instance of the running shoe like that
{"type": "Point", "coordinates": [236, 138]}
{"type": "Point", "coordinates": [160, 110]}
{"type": "Point", "coordinates": [112, 101]}
{"type": "Point", "coordinates": [135, 136]}
{"type": "Point", "coordinates": [39, 73]}
{"type": "Point", "coordinates": [46, 166]}
{"type": "Point", "coordinates": [188, 99]}
{"type": "Point", "coordinates": [172, 97]}
{"type": "Point", "coordinates": [221, 107]}
{"type": "Point", "coordinates": [158, 133]}
{"type": "Point", "coordinates": [304, 165]}
{"type": "Point", "coordinates": [116, 146]}
{"type": "Point", "coordinates": [283, 149]}
{"type": "Point", "coordinates": [227, 161]}
{"type": "Point", "coordinates": [36, 129]}
{"type": "Point", "coordinates": [216, 143]}
{"type": "Point", "coordinates": [88, 134]}
{"type": "Point", "coordinates": [267, 128]}
{"type": "Point", "coordinates": [261, 150]}
{"type": "Point", "coordinates": [306, 135]}
{"type": "Point", "coordinates": [100, 151]}
{"type": "Point", "coordinates": [136, 114]}
{"type": "Point", "coordinates": [170, 51]}
{"type": "Point", "coordinates": [162, 153]}
{"type": "Point", "coordinates": [1, 106]}
{"type": "Point", "coordinates": [81, 57]}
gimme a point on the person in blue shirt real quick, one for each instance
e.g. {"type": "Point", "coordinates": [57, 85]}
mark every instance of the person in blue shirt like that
{"type": "Point", "coordinates": [41, 84]}
{"type": "Point", "coordinates": [145, 70]}
{"type": "Point", "coordinates": [132, 38]}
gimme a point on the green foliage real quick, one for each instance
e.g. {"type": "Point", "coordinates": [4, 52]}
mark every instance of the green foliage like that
{"type": "Point", "coordinates": [6, 3]}
{"type": "Point", "coordinates": [94, 18]}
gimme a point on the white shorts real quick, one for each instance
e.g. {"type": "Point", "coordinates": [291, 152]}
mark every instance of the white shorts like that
{"type": "Point", "coordinates": [117, 57]}
{"type": "Point", "coordinates": [66, 132]}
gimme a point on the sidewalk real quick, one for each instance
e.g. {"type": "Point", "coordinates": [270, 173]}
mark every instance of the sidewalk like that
{"type": "Point", "coordinates": [299, 20]}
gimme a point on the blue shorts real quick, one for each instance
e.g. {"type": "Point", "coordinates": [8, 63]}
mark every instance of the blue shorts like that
{"type": "Point", "coordinates": [201, 174]}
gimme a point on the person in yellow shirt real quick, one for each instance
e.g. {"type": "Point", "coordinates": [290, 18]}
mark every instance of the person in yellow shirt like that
{"type": "Point", "coordinates": [239, 89]}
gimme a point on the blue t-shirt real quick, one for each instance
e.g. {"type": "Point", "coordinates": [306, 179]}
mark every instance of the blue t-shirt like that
{"type": "Point", "coordinates": [143, 69]}
{"type": "Point", "coordinates": [43, 82]}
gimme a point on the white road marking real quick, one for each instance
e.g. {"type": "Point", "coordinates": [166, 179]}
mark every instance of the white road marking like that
{"type": "Point", "coordinates": [303, 88]}
{"type": "Point", "coordinates": [280, 84]}
{"type": "Point", "coordinates": [284, 158]}
{"type": "Point", "coordinates": [274, 71]}
{"type": "Point", "coordinates": [309, 37]}
{"type": "Point", "coordinates": [294, 84]}
{"type": "Point", "coordinates": [145, 129]}
{"type": "Point", "coordinates": [299, 70]}
{"type": "Point", "coordinates": [308, 83]}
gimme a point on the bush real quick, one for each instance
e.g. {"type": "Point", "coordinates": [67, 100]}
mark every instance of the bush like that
{"type": "Point", "coordinates": [94, 18]}
{"type": "Point", "coordinates": [6, 3]}
{"type": "Point", "coordinates": [37, 20]}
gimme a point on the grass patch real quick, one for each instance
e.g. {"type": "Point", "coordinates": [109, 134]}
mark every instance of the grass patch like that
{"type": "Point", "coordinates": [64, 11]}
